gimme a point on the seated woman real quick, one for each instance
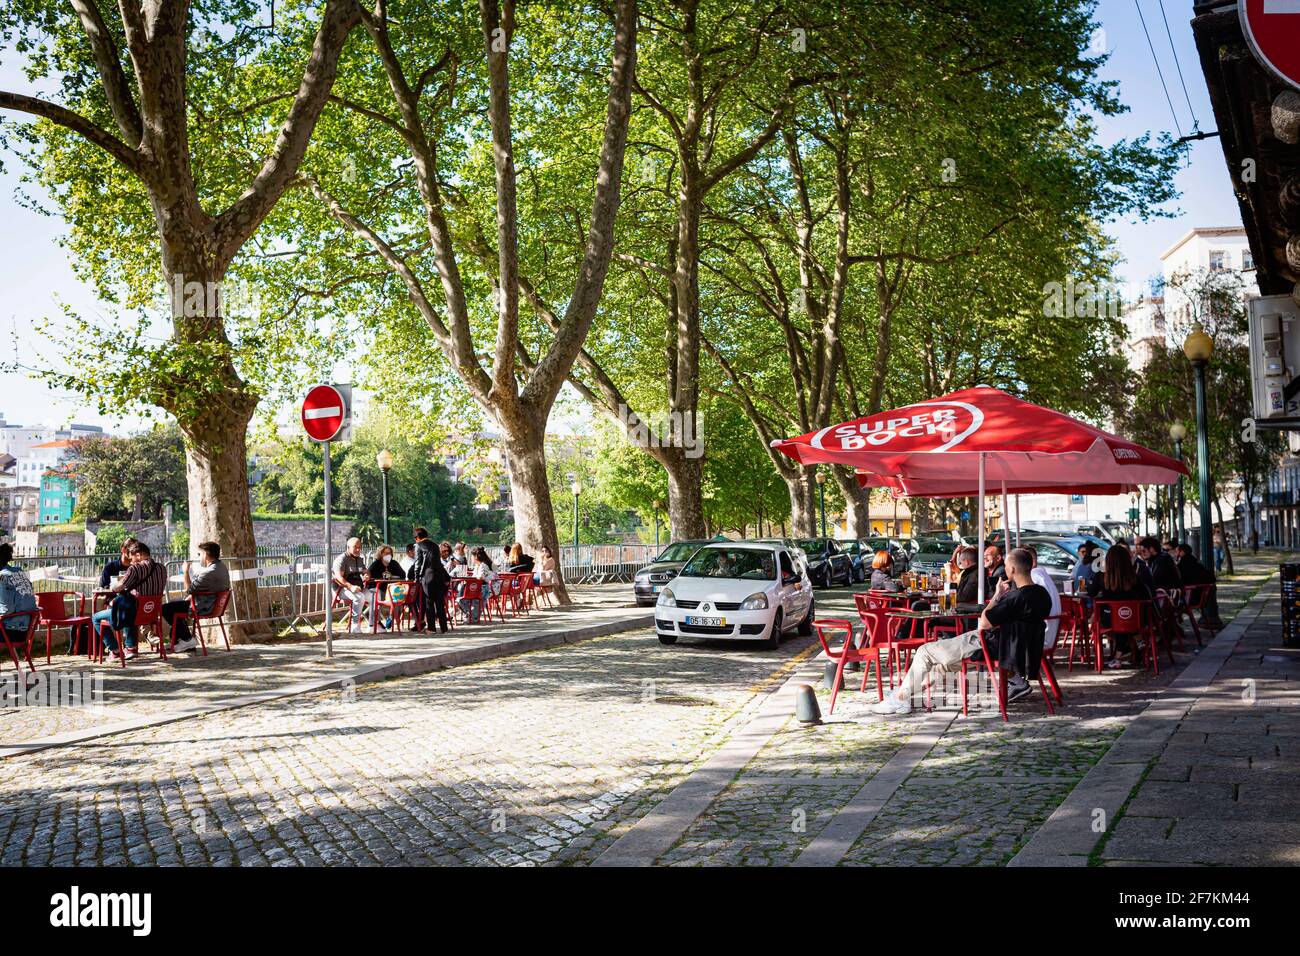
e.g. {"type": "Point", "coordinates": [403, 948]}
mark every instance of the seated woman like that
{"type": "Point", "coordinates": [519, 562]}
{"type": "Point", "coordinates": [1118, 582]}
{"type": "Point", "coordinates": [882, 567]}
{"type": "Point", "coordinates": [491, 584]}
{"type": "Point", "coordinates": [547, 572]}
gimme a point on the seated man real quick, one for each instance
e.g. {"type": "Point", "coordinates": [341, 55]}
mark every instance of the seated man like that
{"type": "Point", "coordinates": [350, 577]}
{"type": "Point", "coordinates": [204, 585]}
{"type": "Point", "coordinates": [995, 571]}
{"type": "Point", "coordinates": [1018, 610]}
{"type": "Point", "coordinates": [968, 584]}
{"type": "Point", "coordinates": [118, 565]}
{"type": "Point", "coordinates": [16, 595]}
{"type": "Point", "coordinates": [144, 578]}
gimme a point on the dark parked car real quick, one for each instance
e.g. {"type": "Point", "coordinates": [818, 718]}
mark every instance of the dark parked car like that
{"type": "Point", "coordinates": [828, 564]}
{"type": "Point", "coordinates": [650, 580]}
{"type": "Point", "coordinates": [932, 554]}
{"type": "Point", "coordinates": [864, 551]}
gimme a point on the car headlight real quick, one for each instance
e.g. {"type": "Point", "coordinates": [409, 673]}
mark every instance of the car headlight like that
{"type": "Point", "coordinates": [666, 598]}
{"type": "Point", "coordinates": [755, 602]}
{"type": "Point", "coordinates": [643, 579]}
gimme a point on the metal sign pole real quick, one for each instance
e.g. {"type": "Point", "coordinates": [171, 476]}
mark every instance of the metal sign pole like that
{"type": "Point", "coordinates": [329, 551]}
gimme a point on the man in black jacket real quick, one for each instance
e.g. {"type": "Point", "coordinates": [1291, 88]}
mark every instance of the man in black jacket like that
{"type": "Point", "coordinates": [432, 577]}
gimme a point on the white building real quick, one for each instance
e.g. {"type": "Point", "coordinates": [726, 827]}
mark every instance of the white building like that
{"type": "Point", "coordinates": [1161, 312]}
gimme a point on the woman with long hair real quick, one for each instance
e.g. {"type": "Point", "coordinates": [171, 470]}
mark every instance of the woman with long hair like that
{"type": "Point", "coordinates": [1118, 581]}
{"type": "Point", "coordinates": [882, 568]}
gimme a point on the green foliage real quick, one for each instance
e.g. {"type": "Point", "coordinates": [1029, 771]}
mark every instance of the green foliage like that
{"type": "Point", "coordinates": [131, 477]}
{"type": "Point", "coordinates": [109, 538]}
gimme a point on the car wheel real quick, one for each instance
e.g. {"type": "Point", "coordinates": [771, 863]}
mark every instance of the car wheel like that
{"type": "Point", "coordinates": [774, 640]}
{"type": "Point", "coordinates": [805, 626]}
{"type": "Point", "coordinates": [667, 639]}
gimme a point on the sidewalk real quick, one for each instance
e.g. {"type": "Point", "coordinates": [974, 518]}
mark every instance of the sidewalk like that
{"type": "Point", "coordinates": [940, 789]}
{"type": "Point", "coordinates": [150, 692]}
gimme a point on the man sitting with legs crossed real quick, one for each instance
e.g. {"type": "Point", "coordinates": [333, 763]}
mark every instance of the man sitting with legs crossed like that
{"type": "Point", "coordinates": [1017, 609]}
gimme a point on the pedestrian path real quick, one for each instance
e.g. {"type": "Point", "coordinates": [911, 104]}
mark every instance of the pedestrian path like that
{"type": "Point", "coordinates": [940, 789]}
{"type": "Point", "coordinates": [149, 691]}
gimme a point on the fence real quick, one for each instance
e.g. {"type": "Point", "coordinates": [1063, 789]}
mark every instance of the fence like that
{"type": "Point", "coordinates": [290, 585]}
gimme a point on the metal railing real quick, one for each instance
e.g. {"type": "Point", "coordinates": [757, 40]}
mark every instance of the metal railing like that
{"type": "Point", "coordinates": [290, 586]}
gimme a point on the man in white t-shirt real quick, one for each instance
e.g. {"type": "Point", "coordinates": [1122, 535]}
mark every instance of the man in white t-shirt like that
{"type": "Point", "coordinates": [1042, 578]}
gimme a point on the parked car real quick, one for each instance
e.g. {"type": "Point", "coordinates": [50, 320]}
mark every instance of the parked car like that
{"type": "Point", "coordinates": [864, 551]}
{"type": "Point", "coordinates": [827, 563]}
{"type": "Point", "coordinates": [932, 554]}
{"type": "Point", "coordinates": [902, 559]}
{"type": "Point", "coordinates": [791, 545]}
{"type": "Point", "coordinates": [741, 590]}
{"type": "Point", "coordinates": [1058, 556]}
{"type": "Point", "coordinates": [650, 580]}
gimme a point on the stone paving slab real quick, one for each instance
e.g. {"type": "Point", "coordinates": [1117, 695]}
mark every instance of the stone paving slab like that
{"type": "Point", "coordinates": [150, 691]}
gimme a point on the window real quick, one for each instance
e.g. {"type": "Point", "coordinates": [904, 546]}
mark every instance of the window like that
{"type": "Point", "coordinates": [1050, 556]}
{"type": "Point", "coordinates": [1218, 260]}
{"type": "Point", "coordinates": [1247, 260]}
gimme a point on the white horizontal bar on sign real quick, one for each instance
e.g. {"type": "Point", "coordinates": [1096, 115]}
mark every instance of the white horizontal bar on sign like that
{"type": "Point", "coordinates": [254, 573]}
{"type": "Point", "coordinates": [314, 413]}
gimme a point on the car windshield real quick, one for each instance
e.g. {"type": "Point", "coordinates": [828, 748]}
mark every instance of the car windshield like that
{"type": "Point", "coordinates": [852, 547]}
{"type": "Point", "coordinates": [935, 546]}
{"type": "Point", "coordinates": [748, 563]}
{"type": "Point", "coordinates": [678, 552]}
{"type": "Point", "coordinates": [812, 545]}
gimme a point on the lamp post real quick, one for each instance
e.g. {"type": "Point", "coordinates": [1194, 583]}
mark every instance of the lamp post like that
{"type": "Point", "coordinates": [658, 506]}
{"type": "Point", "coordinates": [821, 491]}
{"type": "Point", "coordinates": [385, 461]}
{"type": "Point", "coordinates": [1177, 431]}
{"type": "Point", "coordinates": [576, 488]}
{"type": "Point", "coordinates": [1198, 347]}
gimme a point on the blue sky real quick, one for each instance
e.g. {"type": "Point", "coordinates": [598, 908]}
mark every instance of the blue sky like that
{"type": "Point", "coordinates": [35, 274]}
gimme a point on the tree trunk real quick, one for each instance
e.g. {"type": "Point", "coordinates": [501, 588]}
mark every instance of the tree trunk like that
{"type": "Point", "coordinates": [804, 517]}
{"type": "Point", "coordinates": [216, 474]}
{"type": "Point", "coordinates": [525, 442]}
{"type": "Point", "coordinates": [685, 496]}
{"type": "Point", "coordinates": [857, 503]}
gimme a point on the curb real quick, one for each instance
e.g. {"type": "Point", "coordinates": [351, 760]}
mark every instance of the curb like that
{"type": "Point", "coordinates": [364, 674]}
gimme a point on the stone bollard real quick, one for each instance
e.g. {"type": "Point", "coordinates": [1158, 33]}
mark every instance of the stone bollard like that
{"type": "Point", "coordinates": [829, 670]}
{"type": "Point", "coordinates": [806, 710]}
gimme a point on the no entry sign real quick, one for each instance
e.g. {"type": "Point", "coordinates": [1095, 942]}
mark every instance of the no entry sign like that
{"type": "Point", "coordinates": [324, 411]}
{"type": "Point", "coordinates": [1272, 28]}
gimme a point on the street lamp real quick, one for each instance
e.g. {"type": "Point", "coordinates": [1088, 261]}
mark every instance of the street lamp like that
{"type": "Point", "coordinates": [385, 461]}
{"type": "Point", "coordinates": [1198, 347]}
{"type": "Point", "coordinates": [821, 490]}
{"type": "Point", "coordinates": [658, 506]}
{"type": "Point", "coordinates": [1178, 431]}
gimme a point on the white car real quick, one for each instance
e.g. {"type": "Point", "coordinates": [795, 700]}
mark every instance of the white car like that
{"type": "Point", "coordinates": [740, 590]}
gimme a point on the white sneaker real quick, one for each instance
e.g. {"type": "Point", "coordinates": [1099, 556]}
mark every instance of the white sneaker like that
{"type": "Point", "coordinates": [186, 645]}
{"type": "Point", "coordinates": [891, 705]}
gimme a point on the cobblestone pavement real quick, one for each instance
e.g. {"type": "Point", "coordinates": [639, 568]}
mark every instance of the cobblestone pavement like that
{"type": "Point", "coordinates": [149, 687]}
{"type": "Point", "coordinates": [548, 757]}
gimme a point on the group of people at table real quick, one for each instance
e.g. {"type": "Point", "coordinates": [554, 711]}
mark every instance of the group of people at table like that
{"type": "Point", "coordinates": [123, 583]}
{"type": "Point", "coordinates": [364, 586]}
{"type": "Point", "coordinates": [1022, 614]}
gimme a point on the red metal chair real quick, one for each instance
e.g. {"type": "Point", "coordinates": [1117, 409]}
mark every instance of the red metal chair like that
{"type": "Point", "coordinates": [1196, 597]}
{"type": "Point", "coordinates": [471, 591]}
{"type": "Point", "coordinates": [148, 613]}
{"type": "Point", "coordinates": [847, 653]}
{"type": "Point", "coordinates": [519, 583]}
{"type": "Point", "coordinates": [1128, 618]}
{"type": "Point", "coordinates": [54, 613]}
{"type": "Point", "coordinates": [999, 677]}
{"type": "Point", "coordinates": [33, 618]}
{"type": "Point", "coordinates": [1048, 665]}
{"type": "Point", "coordinates": [495, 599]}
{"type": "Point", "coordinates": [546, 587]}
{"type": "Point", "coordinates": [217, 613]}
{"type": "Point", "coordinates": [400, 600]}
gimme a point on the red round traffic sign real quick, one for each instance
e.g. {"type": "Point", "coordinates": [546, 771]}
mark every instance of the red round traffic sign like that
{"type": "Point", "coordinates": [323, 412]}
{"type": "Point", "coordinates": [1272, 30]}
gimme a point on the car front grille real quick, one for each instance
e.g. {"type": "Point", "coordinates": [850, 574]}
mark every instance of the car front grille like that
{"type": "Point", "coordinates": [663, 625]}
{"type": "Point", "coordinates": [716, 605]}
{"type": "Point", "coordinates": [753, 628]}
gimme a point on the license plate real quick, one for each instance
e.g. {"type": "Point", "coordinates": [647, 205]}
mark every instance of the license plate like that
{"type": "Point", "coordinates": [707, 621]}
{"type": "Point", "coordinates": [656, 589]}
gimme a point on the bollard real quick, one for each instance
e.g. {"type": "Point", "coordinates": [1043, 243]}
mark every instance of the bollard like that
{"type": "Point", "coordinates": [806, 710]}
{"type": "Point", "coordinates": [828, 675]}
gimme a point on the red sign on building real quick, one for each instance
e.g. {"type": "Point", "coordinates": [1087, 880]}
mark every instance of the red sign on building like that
{"type": "Point", "coordinates": [1272, 29]}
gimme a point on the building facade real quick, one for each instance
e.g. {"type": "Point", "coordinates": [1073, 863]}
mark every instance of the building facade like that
{"type": "Point", "coordinates": [58, 497]}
